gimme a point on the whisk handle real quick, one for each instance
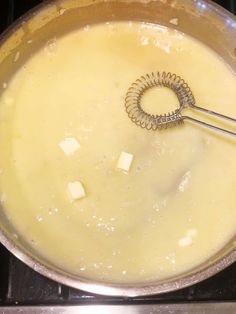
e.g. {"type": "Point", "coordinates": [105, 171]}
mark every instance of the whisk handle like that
{"type": "Point", "coordinates": [211, 126]}
{"type": "Point", "coordinates": [213, 113]}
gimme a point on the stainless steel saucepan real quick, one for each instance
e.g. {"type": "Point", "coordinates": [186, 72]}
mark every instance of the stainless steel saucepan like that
{"type": "Point", "coordinates": [203, 20]}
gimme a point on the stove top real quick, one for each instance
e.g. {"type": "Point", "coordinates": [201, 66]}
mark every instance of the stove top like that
{"type": "Point", "coordinates": [21, 286]}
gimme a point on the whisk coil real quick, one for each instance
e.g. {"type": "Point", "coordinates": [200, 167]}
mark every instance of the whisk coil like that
{"type": "Point", "coordinates": [159, 79]}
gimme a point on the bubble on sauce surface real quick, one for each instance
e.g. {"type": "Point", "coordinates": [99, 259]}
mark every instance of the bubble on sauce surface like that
{"type": "Point", "coordinates": [86, 28]}
{"type": "Point", "coordinates": [17, 56]}
{"type": "Point", "coordinates": [156, 207]}
{"type": "Point", "coordinates": [171, 258]}
{"type": "Point", "coordinates": [82, 268]}
{"type": "Point", "coordinates": [162, 45]}
{"type": "Point", "coordinates": [15, 235]}
{"type": "Point", "coordinates": [184, 181]}
{"type": "Point", "coordinates": [52, 211]}
{"type": "Point", "coordinates": [3, 198]}
{"type": "Point", "coordinates": [51, 46]}
{"type": "Point", "coordinates": [39, 218]}
{"type": "Point", "coordinates": [107, 227]}
{"type": "Point", "coordinates": [62, 11]}
{"type": "Point", "coordinates": [144, 41]}
{"type": "Point", "coordinates": [116, 252]}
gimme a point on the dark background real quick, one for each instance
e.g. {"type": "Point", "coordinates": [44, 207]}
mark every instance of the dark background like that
{"type": "Point", "coordinates": [12, 9]}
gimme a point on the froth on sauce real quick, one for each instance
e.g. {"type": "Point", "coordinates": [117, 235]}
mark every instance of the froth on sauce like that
{"type": "Point", "coordinates": [169, 206]}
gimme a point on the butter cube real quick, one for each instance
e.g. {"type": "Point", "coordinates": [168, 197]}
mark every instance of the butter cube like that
{"type": "Point", "coordinates": [76, 190]}
{"type": "Point", "coordinates": [125, 161]}
{"type": "Point", "coordinates": [69, 145]}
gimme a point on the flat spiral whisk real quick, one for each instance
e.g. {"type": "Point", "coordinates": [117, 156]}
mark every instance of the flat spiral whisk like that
{"type": "Point", "coordinates": [159, 79]}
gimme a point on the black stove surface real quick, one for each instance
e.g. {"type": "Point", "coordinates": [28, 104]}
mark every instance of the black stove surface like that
{"type": "Point", "coordinates": [21, 285]}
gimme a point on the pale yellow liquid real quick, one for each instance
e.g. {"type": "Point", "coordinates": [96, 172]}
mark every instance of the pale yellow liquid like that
{"type": "Point", "coordinates": [172, 210]}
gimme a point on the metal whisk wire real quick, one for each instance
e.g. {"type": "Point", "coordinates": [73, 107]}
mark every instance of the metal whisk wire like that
{"type": "Point", "coordinates": [163, 121]}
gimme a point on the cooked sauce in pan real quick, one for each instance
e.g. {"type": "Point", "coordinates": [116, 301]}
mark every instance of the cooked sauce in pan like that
{"type": "Point", "coordinates": [92, 192]}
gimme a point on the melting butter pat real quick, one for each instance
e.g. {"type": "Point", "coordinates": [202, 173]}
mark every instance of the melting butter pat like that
{"type": "Point", "coordinates": [69, 145]}
{"type": "Point", "coordinates": [125, 161]}
{"type": "Point", "coordinates": [76, 190]}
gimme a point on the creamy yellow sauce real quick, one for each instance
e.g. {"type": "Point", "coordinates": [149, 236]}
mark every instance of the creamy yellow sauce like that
{"type": "Point", "coordinates": [175, 206]}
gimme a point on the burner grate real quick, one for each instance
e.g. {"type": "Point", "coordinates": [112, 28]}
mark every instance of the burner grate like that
{"type": "Point", "coordinates": [26, 287]}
